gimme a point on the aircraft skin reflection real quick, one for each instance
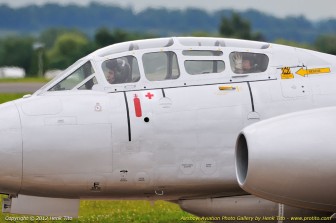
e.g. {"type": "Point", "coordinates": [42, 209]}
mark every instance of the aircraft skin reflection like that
{"type": "Point", "coordinates": [156, 119]}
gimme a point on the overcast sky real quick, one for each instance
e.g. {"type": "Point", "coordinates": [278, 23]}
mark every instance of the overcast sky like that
{"type": "Point", "coordinates": [311, 9]}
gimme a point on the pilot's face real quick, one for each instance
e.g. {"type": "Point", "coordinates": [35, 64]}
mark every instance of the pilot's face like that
{"type": "Point", "coordinates": [246, 65]}
{"type": "Point", "coordinates": [110, 76]}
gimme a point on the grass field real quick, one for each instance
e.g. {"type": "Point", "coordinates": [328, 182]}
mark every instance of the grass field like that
{"type": "Point", "coordinates": [9, 97]}
{"type": "Point", "coordinates": [119, 211]}
{"type": "Point", "coordinates": [113, 211]}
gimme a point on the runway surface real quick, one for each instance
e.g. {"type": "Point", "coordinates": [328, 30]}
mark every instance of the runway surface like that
{"type": "Point", "coordinates": [20, 87]}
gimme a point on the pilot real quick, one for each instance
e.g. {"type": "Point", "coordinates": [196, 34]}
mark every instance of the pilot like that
{"type": "Point", "coordinates": [118, 71]}
{"type": "Point", "coordinates": [243, 64]}
{"type": "Point", "coordinates": [247, 66]}
{"type": "Point", "coordinates": [110, 75]}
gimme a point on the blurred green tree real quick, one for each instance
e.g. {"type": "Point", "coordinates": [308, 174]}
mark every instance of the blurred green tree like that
{"type": "Point", "coordinates": [67, 48]}
{"type": "Point", "coordinates": [326, 43]}
{"type": "Point", "coordinates": [105, 37]}
{"type": "Point", "coordinates": [294, 44]}
{"type": "Point", "coordinates": [17, 51]}
{"type": "Point", "coordinates": [237, 27]}
{"type": "Point", "coordinates": [49, 36]}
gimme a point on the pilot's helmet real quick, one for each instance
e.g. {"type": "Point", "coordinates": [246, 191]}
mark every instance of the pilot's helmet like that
{"type": "Point", "coordinates": [121, 68]}
{"type": "Point", "coordinates": [251, 58]}
{"type": "Point", "coordinates": [248, 56]}
{"type": "Point", "coordinates": [112, 64]}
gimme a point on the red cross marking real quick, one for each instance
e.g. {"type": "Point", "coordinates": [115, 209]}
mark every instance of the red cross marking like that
{"type": "Point", "coordinates": [149, 95]}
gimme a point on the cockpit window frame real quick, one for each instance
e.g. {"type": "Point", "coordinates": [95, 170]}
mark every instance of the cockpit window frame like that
{"type": "Point", "coordinates": [256, 62]}
{"type": "Point", "coordinates": [122, 58]}
{"type": "Point", "coordinates": [91, 78]}
{"type": "Point", "coordinates": [78, 71]}
{"type": "Point", "coordinates": [61, 76]}
{"type": "Point", "coordinates": [173, 63]}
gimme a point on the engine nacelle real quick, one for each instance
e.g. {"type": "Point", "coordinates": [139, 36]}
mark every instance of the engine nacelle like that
{"type": "Point", "coordinates": [246, 209]}
{"type": "Point", "coordinates": [291, 159]}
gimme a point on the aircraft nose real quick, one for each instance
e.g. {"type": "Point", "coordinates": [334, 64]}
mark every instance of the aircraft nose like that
{"type": "Point", "coordinates": [10, 149]}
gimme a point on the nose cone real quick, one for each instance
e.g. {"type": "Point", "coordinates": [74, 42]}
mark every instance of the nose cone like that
{"type": "Point", "coordinates": [10, 149]}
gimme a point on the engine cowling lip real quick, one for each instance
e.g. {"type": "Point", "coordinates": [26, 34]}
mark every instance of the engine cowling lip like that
{"type": "Point", "coordinates": [242, 159]}
{"type": "Point", "coordinates": [286, 169]}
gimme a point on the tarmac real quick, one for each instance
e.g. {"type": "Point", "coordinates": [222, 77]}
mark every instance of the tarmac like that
{"type": "Point", "coordinates": [20, 87]}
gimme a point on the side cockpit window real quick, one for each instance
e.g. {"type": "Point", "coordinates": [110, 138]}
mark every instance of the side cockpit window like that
{"type": "Point", "coordinates": [244, 63]}
{"type": "Point", "coordinates": [160, 66]}
{"type": "Point", "coordinates": [208, 61]}
{"type": "Point", "coordinates": [204, 66]}
{"type": "Point", "coordinates": [82, 74]}
{"type": "Point", "coordinates": [121, 70]}
{"type": "Point", "coordinates": [89, 84]}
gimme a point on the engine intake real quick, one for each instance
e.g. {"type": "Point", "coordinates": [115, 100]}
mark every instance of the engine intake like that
{"type": "Point", "coordinates": [290, 159]}
{"type": "Point", "coordinates": [241, 159]}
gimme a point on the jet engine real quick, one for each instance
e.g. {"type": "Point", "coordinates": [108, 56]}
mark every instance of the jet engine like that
{"type": "Point", "coordinates": [290, 159]}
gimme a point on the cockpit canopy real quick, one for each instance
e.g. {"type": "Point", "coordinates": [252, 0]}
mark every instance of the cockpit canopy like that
{"type": "Point", "coordinates": [145, 62]}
